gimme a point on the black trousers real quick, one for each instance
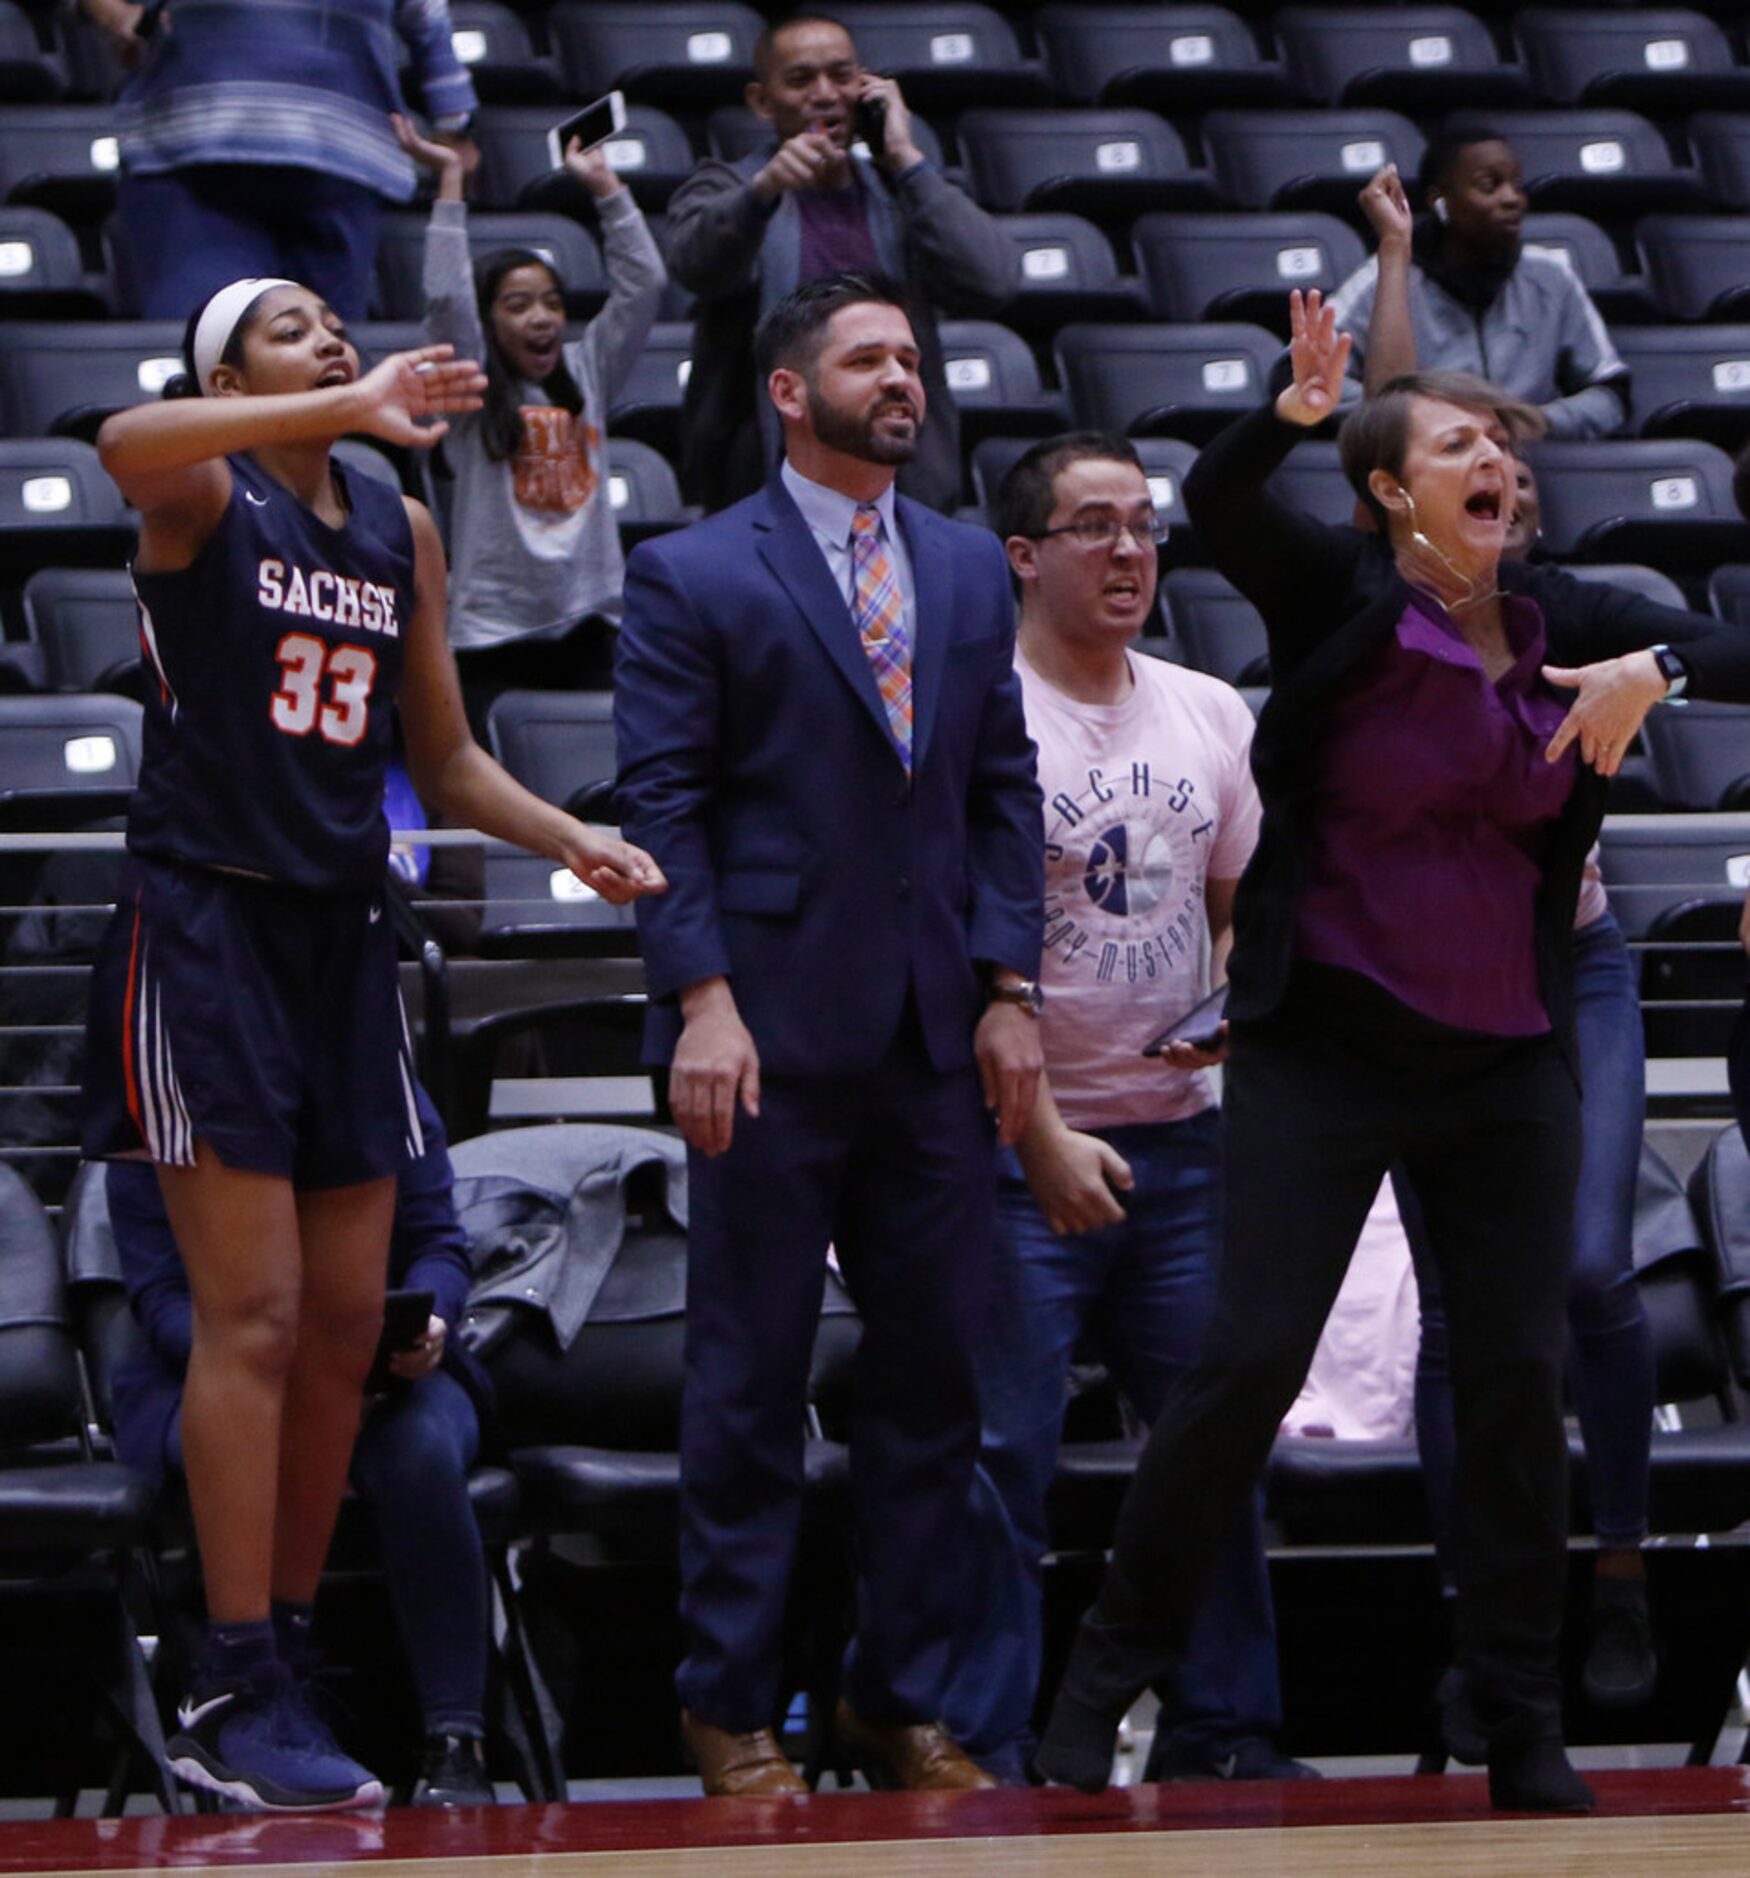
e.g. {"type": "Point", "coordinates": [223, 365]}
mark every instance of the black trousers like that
{"type": "Point", "coordinates": [1320, 1099]}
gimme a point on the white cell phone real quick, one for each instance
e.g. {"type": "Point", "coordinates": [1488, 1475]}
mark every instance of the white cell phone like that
{"type": "Point", "coordinates": [593, 125]}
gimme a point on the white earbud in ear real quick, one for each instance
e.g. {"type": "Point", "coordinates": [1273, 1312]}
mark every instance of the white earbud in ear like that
{"type": "Point", "coordinates": [1441, 211]}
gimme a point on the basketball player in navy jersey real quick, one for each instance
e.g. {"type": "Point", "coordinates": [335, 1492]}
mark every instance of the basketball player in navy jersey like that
{"type": "Point", "coordinates": [246, 1032]}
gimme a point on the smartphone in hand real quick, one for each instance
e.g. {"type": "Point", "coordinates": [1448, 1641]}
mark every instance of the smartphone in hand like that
{"type": "Point", "coordinates": [405, 1316]}
{"type": "Point", "coordinates": [1200, 1026]}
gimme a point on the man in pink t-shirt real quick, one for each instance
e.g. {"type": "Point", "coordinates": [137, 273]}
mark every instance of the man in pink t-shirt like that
{"type": "Point", "coordinates": [1110, 1208]}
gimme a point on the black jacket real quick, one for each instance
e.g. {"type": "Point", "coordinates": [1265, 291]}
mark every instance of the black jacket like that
{"type": "Point", "coordinates": [1329, 597]}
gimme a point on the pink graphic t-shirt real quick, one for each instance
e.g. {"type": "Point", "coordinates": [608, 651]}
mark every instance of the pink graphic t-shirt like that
{"type": "Point", "coordinates": [1144, 802]}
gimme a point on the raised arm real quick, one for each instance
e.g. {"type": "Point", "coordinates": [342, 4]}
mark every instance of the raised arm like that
{"type": "Point", "coordinates": [636, 275]}
{"type": "Point", "coordinates": [1390, 351]}
{"type": "Point", "coordinates": [452, 312]}
{"type": "Point", "coordinates": [455, 776]}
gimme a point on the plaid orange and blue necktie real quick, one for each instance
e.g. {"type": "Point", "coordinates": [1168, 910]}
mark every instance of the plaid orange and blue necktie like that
{"type": "Point", "coordinates": [876, 609]}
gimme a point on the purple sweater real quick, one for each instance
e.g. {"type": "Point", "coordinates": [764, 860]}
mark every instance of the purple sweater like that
{"type": "Point", "coordinates": [1433, 800]}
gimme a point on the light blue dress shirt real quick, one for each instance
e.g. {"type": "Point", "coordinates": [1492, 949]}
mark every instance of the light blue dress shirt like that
{"type": "Point", "coordinates": [828, 514]}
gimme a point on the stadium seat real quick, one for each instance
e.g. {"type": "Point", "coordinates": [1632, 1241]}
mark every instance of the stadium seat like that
{"type": "Point", "coordinates": [60, 157]}
{"type": "Point", "coordinates": [1695, 264]}
{"type": "Point", "coordinates": [1312, 481]}
{"type": "Point", "coordinates": [1179, 381]}
{"type": "Point", "coordinates": [1597, 162]}
{"type": "Point", "coordinates": [41, 275]}
{"type": "Point", "coordinates": [87, 622]}
{"type": "Point", "coordinates": [29, 74]}
{"type": "Point", "coordinates": [1669, 61]}
{"type": "Point", "coordinates": [1728, 593]}
{"type": "Point", "coordinates": [677, 53]}
{"type": "Point", "coordinates": [65, 380]}
{"type": "Point", "coordinates": [649, 404]}
{"type": "Point", "coordinates": [58, 508]}
{"type": "Point", "coordinates": [1721, 142]}
{"type": "Point", "coordinates": [995, 383]}
{"type": "Point", "coordinates": [494, 43]}
{"type": "Point", "coordinates": [1163, 58]}
{"type": "Point", "coordinates": [1592, 255]}
{"type": "Point", "coordinates": [1218, 629]}
{"type": "Point", "coordinates": [651, 156]}
{"type": "Point", "coordinates": [1107, 165]}
{"type": "Point", "coordinates": [1305, 159]}
{"type": "Point", "coordinates": [944, 56]}
{"type": "Point", "coordinates": [1417, 58]}
{"type": "Point", "coordinates": [733, 132]}
{"type": "Point", "coordinates": [571, 251]}
{"type": "Point", "coordinates": [1646, 581]}
{"type": "Point", "coordinates": [1655, 865]}
{"type": "Point", "coordinates": [1066, 271]}
{"type": "Point", "coordinates": [66, 758]}
{"type": "Point", "coordinates": [643, 491]}
{"type": "Point", "coordinates": [1241, 267]}
{"type": "Point", "coordinates": [1689, 381]}
{"type": "Point", "coordinates": [1665, 501]}
{"type": "Point", "coordinates": [1719, 1192]}
{"type": "Point", "coordinates": [554, 742]}
{"type": "Point", "coordinates": [1699, 754]}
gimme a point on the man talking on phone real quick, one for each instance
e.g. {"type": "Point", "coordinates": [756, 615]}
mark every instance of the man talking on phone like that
{"type": "Point", "coordinates": [744, 235]}
{"type": "Point", "coordinates": [1109, 1207]}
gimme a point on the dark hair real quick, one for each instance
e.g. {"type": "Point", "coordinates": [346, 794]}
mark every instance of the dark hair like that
{"type": "Point", "coordinates": [186, 384]}
{"type": "Point", "coordinates": [801, 16]}
{"type": "Point", "coordinates": [1028, 492]}
{"type": "Point", "coordinates": [792, 332]}
{"type": "Point", "coordinates": [501, 419]}
{"type": "Point", "coordinates": [1376, 433]}
{"type": "Point", "coordinates": [1457, 133]}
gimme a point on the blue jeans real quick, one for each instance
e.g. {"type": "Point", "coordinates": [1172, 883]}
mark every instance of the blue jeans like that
{"type": "Point", "coordinates": [1143, 1290]}
{"type": "Point", "coordinates": [1610, 1368]}
{"type": "Point", "coordinates": [188, 232]}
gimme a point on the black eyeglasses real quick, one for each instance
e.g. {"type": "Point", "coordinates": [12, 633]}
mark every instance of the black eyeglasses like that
{"type": "Point", "coordinates": [1096, 533]}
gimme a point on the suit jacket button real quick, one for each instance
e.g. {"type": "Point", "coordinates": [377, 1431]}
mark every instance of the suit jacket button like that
{"type": "Point", "coordinates": [902, 886]}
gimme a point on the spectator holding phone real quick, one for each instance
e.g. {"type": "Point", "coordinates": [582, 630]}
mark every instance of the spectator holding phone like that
{"type": "Point", "coordinates": [419, 1437]}
{"type": "Point", "coordinates": [535, 561]}
{"type": "Point", "coordinates": [744, 235]}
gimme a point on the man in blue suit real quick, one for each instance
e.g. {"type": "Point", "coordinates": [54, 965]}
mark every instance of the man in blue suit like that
{"type": "Point", "coordinates": [821, 742]}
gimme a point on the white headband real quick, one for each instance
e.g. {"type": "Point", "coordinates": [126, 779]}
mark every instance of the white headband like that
{"type": "Point", "coordinates": [218, 321]}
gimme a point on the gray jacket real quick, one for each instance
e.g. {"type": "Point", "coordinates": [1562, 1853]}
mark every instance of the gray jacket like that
{"type": "Point", "coordinates": [741, 256]}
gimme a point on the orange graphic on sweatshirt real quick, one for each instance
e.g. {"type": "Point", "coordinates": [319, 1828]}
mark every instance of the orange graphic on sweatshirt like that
{"type": "Point", "coordinates": [553, 469]}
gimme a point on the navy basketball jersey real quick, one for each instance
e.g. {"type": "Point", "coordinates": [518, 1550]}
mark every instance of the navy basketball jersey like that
{"type": "Point", "coordinates": [275, 658]}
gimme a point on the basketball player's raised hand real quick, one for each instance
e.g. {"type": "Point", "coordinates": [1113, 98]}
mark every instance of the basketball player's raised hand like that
{"type": "Point", "coordinates": [1319, 354]}
{"type": "Point", "coordinates": [398, 399]}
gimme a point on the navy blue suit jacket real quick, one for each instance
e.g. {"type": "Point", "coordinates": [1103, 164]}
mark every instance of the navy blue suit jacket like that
{"type": "Point", "coordinates": [757, 767]}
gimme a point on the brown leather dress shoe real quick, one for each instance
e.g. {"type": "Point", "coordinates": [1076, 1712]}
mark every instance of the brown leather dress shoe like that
{"type": "Point", "coordinates": [731, 1764]}
{"type": "Point", "coordinates": [920, 1756]}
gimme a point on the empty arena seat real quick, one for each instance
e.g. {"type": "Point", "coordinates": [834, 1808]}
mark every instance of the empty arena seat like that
{"type": "Point", "coordinates": [1667, 60]}
{"type": "Point", "coordinates": [1181, 381]}
{"type": "Point", "coordinates": [1591, 253]}
{"type": "Point", "coordinates": [567, 248]}
{"type": "Point", "coordinates": [29, 72]}
{"type": "Point", "coordinates": [1655, 864]}
{"type": "Point", "coordinates": [945, 55]}
{"type": "Point", "coordinates": [1217, 627]}
{"type": "Point", "coordinates": [676, 53]}
{"type": "Point", "coordinates": [1165, 58]}
{"type": "Point", "coordinates": [69, 378]}
{"type": "Point", "coordinates": [41, 274]}
{"type": "Point", "coordinates": [1689, 381]}
{"type": "Point", "coordinates": [1418, 58]}
{"type": "Point", "coordinates": [1721, 142]}
{"type": "Point", "coordinates": [1108, 165]}
{"type": "Point", "coordinates": [651, 155]}
{"type": "Point", "coordinates": [1065, 270]}
{"type": "Point", "coordinates": [1597, 162]}
{"type": "Point", "coordinates": [66, 758]}
{"type": "Point", "coordinates": [61, 157]}
{"type": "Point", "coordinates": [1696, 264]}
{"type": "Point", "coordinates": [86, 621]}
{"type": "Point", "coordinates": [1241, 267]}
{"type": "Point", "coordinates": [1646, 581]}
{"type": "Point", "coordinates": [1312, 481]}
{"type": "Point", "coordinates": [59, 508]}
{"type": "Point", "coordinates": [995, 382]}
{"type": "Point", "coordinates": [643, 491]}
{"type": "Point", "coordinates": [1305, 159]}
{"type": "Point", "coordinates": [494, 44]}
{"type": "Point", "coordinates": [649, 404]}
{"type": "Point", "coordinates": [1666, 501]}
{"type": "Point", "coordinates": [1728, 593]}
{"type": "Point", "coordinates": [1699, 753]}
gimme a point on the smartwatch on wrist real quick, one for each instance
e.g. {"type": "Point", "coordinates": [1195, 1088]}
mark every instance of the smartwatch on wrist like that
{"type": "Point", "coordinates": [1673, 669]}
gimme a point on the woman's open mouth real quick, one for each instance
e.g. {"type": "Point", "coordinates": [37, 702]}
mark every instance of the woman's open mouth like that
{"type": "Point", "coordinates": [1484, 504]}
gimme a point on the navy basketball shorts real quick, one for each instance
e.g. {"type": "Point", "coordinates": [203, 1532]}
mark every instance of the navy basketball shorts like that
{"type": "Point", "coordinates": [264, 1020]}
